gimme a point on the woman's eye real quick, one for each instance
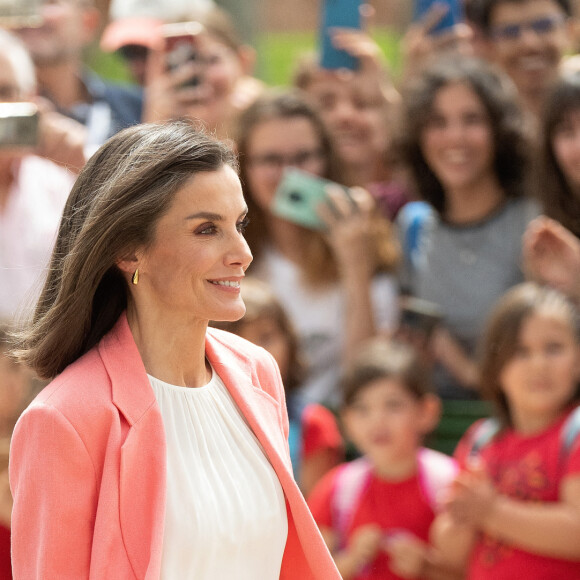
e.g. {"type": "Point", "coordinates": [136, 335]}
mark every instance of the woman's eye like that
{"type": "Point", "coordinates": [206, 229]}
{"type": "Point", "coordinates": [242, 225]}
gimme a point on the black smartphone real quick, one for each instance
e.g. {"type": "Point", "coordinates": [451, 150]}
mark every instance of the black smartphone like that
{"type": "Point", "coordinates": [453, 16]}
{"type": "Point", "coordinates": [419, 314]}
{"type": "Point", "coordinates": [337, 14]}
{"type": "Point", "coordinates": [18, 125]}
{"type": "Point", "coordinates": [181, 46]}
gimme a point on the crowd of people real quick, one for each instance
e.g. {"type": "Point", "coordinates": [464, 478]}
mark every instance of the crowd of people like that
{"type": "Point", "coordinates": [441, 265]}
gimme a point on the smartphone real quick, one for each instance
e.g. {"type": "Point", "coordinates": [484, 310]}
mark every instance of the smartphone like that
{"type": "Point", "coordinates": [453, 16]}
{"type": "Point", "coordinates": [299, 196]}
{"type": "Point", "coordinates": [181, 45]}
{"type": "Point", "coordinates": [337, 14]}
{"type": "Point", "coordinates": [20, 13]}
{"type": "Point", "coordinates": [419, 314]}
{"type": "Point", "coordinates": [18, 125]}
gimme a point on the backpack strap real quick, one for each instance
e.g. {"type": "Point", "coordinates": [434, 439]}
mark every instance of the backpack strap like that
{"type": "Point", "coordinates": [570, 432]}
{"type": "Point", "coordinates": [351, 481]}
{"type": "Point", "coordinates": [483, 434]}
{"type": "Point", "coordinates": [436, 471]}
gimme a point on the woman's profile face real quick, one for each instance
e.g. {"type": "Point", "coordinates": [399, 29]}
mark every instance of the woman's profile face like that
{"type": "Point", "coordinates": [276, 144]}
{"type": "Point", "coordinates": [457, 140]}
{"type": "Point", "coordinates": [194, 267]}
{"type": "Point", "coordinates": [566, 147]}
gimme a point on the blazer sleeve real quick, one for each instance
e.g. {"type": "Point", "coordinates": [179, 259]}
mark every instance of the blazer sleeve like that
{"type": "Point", "coordinates": [54, 487]}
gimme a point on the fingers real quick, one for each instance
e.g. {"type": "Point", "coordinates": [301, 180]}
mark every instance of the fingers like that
{"type": "Point", "coordinates": [357, 43]}
{"type": "Point", "coordinates": [432, 17]}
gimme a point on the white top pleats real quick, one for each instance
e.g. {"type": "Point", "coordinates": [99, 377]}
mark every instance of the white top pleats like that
{"type": "Point", "coordinates": [225, 510]}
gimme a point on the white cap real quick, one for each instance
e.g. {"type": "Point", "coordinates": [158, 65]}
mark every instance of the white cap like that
{"type": "Point", "coordinates": [167, 10]}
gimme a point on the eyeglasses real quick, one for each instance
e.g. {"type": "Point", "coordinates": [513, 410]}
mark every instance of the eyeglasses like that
{"type": "Point", "coordinates": [540, 26]}
{"type": "Point", "coordinates": [275, 161]}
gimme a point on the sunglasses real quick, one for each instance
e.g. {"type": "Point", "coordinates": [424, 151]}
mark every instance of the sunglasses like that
{"type": "Point", "coordinates": [540, 26]}
{"type": "Point", "coordinates": [134, 52]}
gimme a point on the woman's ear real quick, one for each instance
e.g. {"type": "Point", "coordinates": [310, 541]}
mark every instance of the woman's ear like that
{"type": "Point", "coordinates": [129, 263]}
{"type": "Point", "coordinates": [430, 413]}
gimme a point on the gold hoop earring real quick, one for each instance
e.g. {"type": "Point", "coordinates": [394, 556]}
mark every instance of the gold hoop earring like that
{"type": "Point", "coordinates": [135, 277]}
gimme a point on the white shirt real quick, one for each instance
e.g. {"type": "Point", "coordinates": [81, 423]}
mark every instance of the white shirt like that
{"type": "Point", "coordinates": [28, 227]}
{"type": "Point", "coordinates": [319, 317]}
{"type": "Point", "coordinates": [225, 508]}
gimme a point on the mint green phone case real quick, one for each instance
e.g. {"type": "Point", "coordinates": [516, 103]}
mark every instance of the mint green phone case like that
{"type": "Point", "coordinates": [298, 197]}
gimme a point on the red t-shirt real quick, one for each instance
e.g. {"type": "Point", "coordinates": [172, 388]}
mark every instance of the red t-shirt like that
{"type": "Point", "coordinates": [5, 563]}
{"type": "Point", "coordinates": [393, 506]}
{"type": "Point", "coordinates": [319, 431]}
{"type": "Point", "coordinates": [526, 468]}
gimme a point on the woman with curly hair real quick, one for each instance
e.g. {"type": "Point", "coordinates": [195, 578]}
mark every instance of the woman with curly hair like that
{"type": "Point", "coordinates": [463, 138]}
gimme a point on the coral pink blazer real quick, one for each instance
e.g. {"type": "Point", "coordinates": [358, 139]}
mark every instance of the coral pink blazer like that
{"type": "Point", "coordinates": [87, 465]}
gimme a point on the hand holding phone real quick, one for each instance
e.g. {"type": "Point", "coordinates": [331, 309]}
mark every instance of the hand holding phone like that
{"type": "Point", "coordinates": [181, 47]}
{"type": "Point", "coordinates": [299, 196]}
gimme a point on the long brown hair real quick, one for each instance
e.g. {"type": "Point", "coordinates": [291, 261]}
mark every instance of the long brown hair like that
{"type": "Point", "coordinates": [112, 210]}
{"type": "Point", "coordinates": [499, 98]}
{"type": "Point", "coordinates": [559, 200]}
{"type": "Point", "coordinates": [319, 266]}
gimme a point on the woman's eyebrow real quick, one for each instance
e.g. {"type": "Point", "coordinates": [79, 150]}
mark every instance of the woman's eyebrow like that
{"type": "Point", "coordinates": [206, 215]}
{"type": "Point", "coordinates": [211, 216]}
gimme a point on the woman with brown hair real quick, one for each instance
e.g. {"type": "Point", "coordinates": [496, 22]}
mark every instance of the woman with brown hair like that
{"type": "Point", "coordinates": [335, 283]}
{"type": "Point", "coordinates": [159, 449]}
{"type": "Point", "coordinates": [464, 141]}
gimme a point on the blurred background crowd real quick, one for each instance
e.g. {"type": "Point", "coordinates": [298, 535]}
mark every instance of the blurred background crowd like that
{"type": "Point", "coordinates": [454, 156]}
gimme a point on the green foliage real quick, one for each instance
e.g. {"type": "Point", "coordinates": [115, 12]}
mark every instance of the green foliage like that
{"type": "Point", "coordinates": [277, 54]}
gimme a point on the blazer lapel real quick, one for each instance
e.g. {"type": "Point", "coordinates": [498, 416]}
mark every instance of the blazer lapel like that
{"type": "Point", "coordinates": [261, 411]}
{"type": "Point", "coordinates": [142, 485]}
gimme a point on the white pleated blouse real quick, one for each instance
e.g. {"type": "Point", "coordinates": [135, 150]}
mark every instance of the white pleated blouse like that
{"type": "Point", "coordinates": [225, 509]}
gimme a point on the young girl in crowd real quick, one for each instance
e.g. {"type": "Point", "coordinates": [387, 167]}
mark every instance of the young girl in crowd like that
{"type": "Point", "coordinates": [558, 167]}
{"type": "Point", "coordinates": [357, 108]}
{"type": "Point", "coordinates": [463, 139]}
{"type": "Point", "coordinates": [314, 439]}
{"type": "Point", "coordinates": [336, 285]}
{"type": "Point", "coordinates": [375, 513]}
{"type": "Point", "coordinates": [520, 488]}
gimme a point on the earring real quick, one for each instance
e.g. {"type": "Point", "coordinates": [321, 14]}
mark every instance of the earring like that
{"type": "Point", "coordinates": [135, 277]}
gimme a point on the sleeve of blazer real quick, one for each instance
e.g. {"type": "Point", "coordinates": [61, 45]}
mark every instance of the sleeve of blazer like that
{"type": "Point", "coordinates": [54, 487]}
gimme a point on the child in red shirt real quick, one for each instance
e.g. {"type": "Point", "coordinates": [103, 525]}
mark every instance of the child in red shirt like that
{"type": "Point", "coordinates": [375, 513]}
{"type": "Point", "coordinates": [520, 484]}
